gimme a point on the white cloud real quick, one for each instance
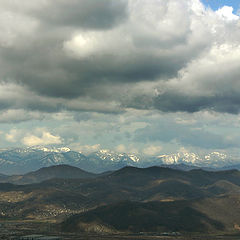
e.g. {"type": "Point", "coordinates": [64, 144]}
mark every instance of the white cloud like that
{"type": "Point", "coordinates": [226, 13]}
{"type": "Point", "coordinates": [215, 72]}
{"type": "Point", "coordinates": [121, 148]}
{"type": "Point", "coordinates": [13, 135]}
{"type": "Point", "coordinates": [82, 45]}
{"type": "Point", "coordinates": [45, 139]}
{"type": "Point", "coordinates": [152, 150]}
{"type": "Point", "coordinates": [85, 149]}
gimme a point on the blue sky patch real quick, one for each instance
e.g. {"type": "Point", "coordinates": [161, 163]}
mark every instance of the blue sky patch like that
{"type": "Point", "coordinates": [216, 4]}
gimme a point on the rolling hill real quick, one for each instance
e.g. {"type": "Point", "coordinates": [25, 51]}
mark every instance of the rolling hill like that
{"type": "Point", "coordinates": [125, 200]}
{"type": "Point", "coordinates": [46, 173]}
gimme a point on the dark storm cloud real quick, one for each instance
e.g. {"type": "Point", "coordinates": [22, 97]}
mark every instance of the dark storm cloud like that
{"type": "Point", "coordinates": [41, 61]}
{"type": "Point", "coordinates": [93, 14]}
{"type": "Point", "coordinates": [43, 67]}
{"type": "Point", "coordinates": [5, 104]}
{"type": "Point", "coordinates": [73, 54]}
{"type": "Point", "coordinates": [172, 102]}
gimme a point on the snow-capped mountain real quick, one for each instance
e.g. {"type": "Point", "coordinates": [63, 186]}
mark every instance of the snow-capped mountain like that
{"type": "Point", "coordinates": [190, 158]}
{"type": "Point", "coordinates": [22, 160]}
{"type": "Point", "coordinates": [116, 157]}
{"type": "Point", "coordinates": [18, 161]}
{"type": "Point", "coordinates": [212, 160]}
{"type": "Point", "coordinates": [56, 150]}
{"type": "Point", "coordinates": [106, 160]}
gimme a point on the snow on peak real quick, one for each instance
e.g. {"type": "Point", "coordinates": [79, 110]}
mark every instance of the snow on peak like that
{"type": "Point", "coordinates": [213, 158]}
{"type": "Point", "coordinates": [56, 150]}
{"type": "Point", "coordinates": [64, 149]}
{"type": "Point", "coordinates": [104, 151]}
{"type": "Point", "coordinates": [105, 154]}
{"type": "Point", "coordinates": [134, 158]}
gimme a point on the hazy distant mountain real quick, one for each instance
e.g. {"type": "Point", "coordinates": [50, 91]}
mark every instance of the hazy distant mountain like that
{"type": "Point", "coordinates": [23, 160]}
{"type": "Point", "coordinates": [20, 161]}
{"type": "Point", "coordinates": [3, 176]}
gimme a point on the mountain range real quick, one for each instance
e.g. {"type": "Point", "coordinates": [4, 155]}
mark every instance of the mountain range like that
{"type": "Point", "coordinates": [130, 200]}
{"type": "Point", "coordinates": [23, 160]}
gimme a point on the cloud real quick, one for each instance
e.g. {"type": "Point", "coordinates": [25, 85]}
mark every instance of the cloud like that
{"type": "Point", "coordinates": [17, 99]}
{"type": "Point", "coordinates": [19, 115]}
{"type": "Point", "coordinates": [85, 149]}
{"type": "Point", "coordinates": [170, 132]}
{"type": "Point", "coordinates": [226, 13]}
{"type": "Point", "coordinates": [83, 14]}
{"type": "Point", "coordinates": [136, 74]}
{"type": "Point", "coordinates": [102, 56]}
{"type": "Point", "coordinates": [75, 56]}
{"type": "Point", "coordinates": [152, 150]}
{"type": "Point", "coordinates": [46, 138]}
{"type": "Point", "coordinates": [13, 135]}
{"type": "Point", "coordinates": [210, 82]}
{"type": "Point", "coordinates": [121, 148]}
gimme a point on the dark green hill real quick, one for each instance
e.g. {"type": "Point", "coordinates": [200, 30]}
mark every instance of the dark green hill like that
{"type": "Point", "coordinates": [178, 216]}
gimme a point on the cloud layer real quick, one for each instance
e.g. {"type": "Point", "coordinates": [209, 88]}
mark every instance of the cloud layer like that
{"type": "Point", "coordinates": [79, 60]}
{"type": "Point", "coordinates": [69, 54]}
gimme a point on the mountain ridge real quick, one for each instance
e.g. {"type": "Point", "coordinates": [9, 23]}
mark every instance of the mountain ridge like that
{"type": "Point", "coordinates": [46, 173]}
{"type": "Point", "coordinates": [23, 160]}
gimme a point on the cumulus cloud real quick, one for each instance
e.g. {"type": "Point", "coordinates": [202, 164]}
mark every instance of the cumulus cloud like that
{"type": "Point", "coordinates": [226, 13]}
{"type": "Point", "coordinates": [121, 148]}
{"type": "Point", "coordinates": [130, 149]}
{"type": "Point", "coordinates": [83, 14]}
{"type": "Point", "coordinates": [74, 55]}
{"type": "Point", "coordinates": [46, 138]}
{"type": "Point", "coordinates": [85, 149]}
{"type": "Point", "coordinates": [210, 82]}
{"type": "Point", "coordinates": [81, 57]}
{"type": "Point", "coordinates": [13, 135]}
{"type": "Point", "coordinates": [152, 150]}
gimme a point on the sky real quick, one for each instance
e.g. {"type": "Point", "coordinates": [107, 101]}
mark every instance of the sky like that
{"type": "Point", "coordinates": [137, 76]}
{"type": "Point", "coordinates": [216, 4]}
